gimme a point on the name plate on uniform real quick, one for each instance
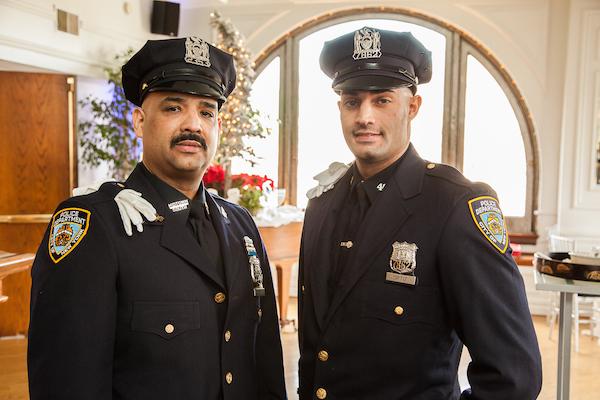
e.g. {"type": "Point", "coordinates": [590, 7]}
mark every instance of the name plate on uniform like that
{"type": "Point", "coordinates": [400, 278]}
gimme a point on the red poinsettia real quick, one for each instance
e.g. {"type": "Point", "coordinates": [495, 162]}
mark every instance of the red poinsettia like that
{"type": "Point", "coordinates": [214, 177]}
{"type": "Point", "coordinates": [245, 180]}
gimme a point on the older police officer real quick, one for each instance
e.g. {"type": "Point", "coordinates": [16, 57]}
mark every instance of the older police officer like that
{"type": "Point", "coordinates": [403, 261]}
{"type": "Point", "coordinates": [184, 309]}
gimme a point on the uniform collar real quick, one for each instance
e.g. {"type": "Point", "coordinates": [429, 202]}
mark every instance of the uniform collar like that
{"type": "Point", "coordinates": [377, 183]}
{"type": "Point", "coordinates": [177, 203]}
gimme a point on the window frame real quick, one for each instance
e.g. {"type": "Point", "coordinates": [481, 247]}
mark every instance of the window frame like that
{"type": "Point", "coordinates": [459, 46]}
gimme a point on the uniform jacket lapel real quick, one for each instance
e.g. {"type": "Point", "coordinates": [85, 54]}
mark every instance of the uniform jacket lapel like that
{"type": "Point", "coordinates": [231, 246]}
{"type": "Point", "coordinates": [385, 218]}
{"type": "Point", "coordinates": [319, 253]}
{"type": "Point", "coordinates": [174, 237]}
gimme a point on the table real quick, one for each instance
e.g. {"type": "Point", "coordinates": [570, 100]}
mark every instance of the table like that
{"type": "Point", "coordinates": [11, 263]}
{"type": "Point", "coordinates": [283, 247]}
{"type": "Point", "coordinates": [566, 287]}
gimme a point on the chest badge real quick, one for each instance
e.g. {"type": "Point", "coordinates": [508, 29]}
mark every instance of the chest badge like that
{"type": "Point", "coordinates": [403, 263]}
{"type": "Point", "coordinates": [255, 269]}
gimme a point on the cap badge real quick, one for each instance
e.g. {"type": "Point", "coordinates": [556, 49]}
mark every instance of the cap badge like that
{"type": "Point", "coordinates": [255, 270]}
{"type": "Point", "coordinates": [403, 262]}
{"type": "Point", "coordinates": [367, 44]}
{"type": "Point", "coordinates": [197, 52]}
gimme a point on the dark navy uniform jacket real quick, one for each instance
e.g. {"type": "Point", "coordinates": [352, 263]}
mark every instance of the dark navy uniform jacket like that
{"type": "Point", "coordinates": [147, 316]}
{"type": "Point", "coordinates": [381, 340]}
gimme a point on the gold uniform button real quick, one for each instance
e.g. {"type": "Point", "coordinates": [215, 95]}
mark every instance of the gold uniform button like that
{"type": "Point", "coordinates": [220, 297]}
{"type": "Point", "coordinates": [229, 378]}
{"type": "Point", "coordinates": [169, 328]}
{"type": "Point", "coordinates": [399, 310]}
{"type": "Point", "coordinates": [323, 355]}
{"type": "Point", "coordinates": [321, 393]}
{"type": "Point", "coordinates": [260, 313]}
{"type": "Point", "coordinates": [430, 166]}
{"type": "Point", "coordinates": [227, 336]}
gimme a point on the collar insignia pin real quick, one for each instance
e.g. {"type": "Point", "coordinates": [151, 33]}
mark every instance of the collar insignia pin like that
{"type": "Point", "coordinates": [180, 205]}
{"type": "Point", "coordinates": [403, 262]}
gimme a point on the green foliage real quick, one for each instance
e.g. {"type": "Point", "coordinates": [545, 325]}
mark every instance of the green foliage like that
{"type": "Point", "coordinates": [250, 198]}
{"type": "Point", "coordinates": [108, 136]}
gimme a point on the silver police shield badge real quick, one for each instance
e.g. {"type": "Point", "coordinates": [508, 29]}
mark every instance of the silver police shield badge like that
{"type": "Point", "coordinates": [403, 262]}
{"type": "Point", "coordinates": [367, 44]}
{"type": "Point", "coordinates": [197, 52]}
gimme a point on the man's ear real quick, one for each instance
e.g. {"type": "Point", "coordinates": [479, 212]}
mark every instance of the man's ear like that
{"type": "Point", "coordinates": [138, 116]}
{"type": "Point", "coordinates": [414, 106]}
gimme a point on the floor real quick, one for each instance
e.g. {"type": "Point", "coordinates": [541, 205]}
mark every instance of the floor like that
{"type": "Point", "coordinates": [584, 365]}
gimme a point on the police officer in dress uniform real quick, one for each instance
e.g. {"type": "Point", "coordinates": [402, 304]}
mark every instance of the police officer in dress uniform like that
{"type": "Point", "coordinates": [184, 309]}
{"type": "Point", "coordinates": [403, 261]}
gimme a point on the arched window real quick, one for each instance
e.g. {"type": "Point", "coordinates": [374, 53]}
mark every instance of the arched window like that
{"type": "Point", "coordinates": [473, 116]}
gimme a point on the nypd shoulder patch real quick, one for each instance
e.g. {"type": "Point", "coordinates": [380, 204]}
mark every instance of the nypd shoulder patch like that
{"type": "Point", "coordinates": [489, 219]}
{"type": "Point", "coordinates": [69, 226]}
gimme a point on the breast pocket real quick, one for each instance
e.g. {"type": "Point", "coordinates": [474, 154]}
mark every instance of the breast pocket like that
{"type": "Point", "coordinates": [400, 304]}
{"type": "Point", "coordinates": [165, 319]}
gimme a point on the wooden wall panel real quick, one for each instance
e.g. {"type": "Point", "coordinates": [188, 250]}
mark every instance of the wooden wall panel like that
{"type": "Point", "coordinates": [35, 168]}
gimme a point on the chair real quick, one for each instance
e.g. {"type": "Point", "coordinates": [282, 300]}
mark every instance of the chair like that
{"type": "Point", "coordinates": [591, 304]}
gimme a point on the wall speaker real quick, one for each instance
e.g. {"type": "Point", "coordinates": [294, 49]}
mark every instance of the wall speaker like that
{"type": "Point", "coordinates": [165, 18]}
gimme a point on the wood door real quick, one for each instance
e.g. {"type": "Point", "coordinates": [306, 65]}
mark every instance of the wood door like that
{"type": "Point", "coordinates": [37, 172]}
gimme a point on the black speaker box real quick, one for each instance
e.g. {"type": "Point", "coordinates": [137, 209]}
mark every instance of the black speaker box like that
{"type": "Point", "coordinates": [165, 18]}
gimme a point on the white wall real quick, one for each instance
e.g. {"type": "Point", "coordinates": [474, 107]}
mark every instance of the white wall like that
{"type": "Point", "coordinates": [550, 47]}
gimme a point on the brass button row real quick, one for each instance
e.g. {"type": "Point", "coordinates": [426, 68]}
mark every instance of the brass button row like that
{"type": "Point", "coordinates": [399, 310]}
{"type": "Point", "coordinates": [227, 336]}
{"type": "Point", "coordinates": [229, 378]}
{"type": "Point", "coordinates": [169, 328]}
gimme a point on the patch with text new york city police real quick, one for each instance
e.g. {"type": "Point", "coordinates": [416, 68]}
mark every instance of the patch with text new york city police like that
{"type": "Point", "coordinates": [490, 221]}
{"type": "Point", "coordinates": [69, 226]}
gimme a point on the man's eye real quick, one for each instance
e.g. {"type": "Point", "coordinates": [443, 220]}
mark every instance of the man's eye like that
{"type": "Point", "coordinates": [173, 108]}
{"type": "Point", "coordinates": [351, 103]}
{"type": "Point", "coordinates": [207, 114]}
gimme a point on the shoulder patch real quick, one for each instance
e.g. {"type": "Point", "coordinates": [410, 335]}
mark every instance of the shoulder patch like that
{"type": "Point", "coordinates": [489, 219]}
{"type": "Point", "coordinates": [69, 226]}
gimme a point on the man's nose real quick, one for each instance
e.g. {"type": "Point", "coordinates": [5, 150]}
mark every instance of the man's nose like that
{"type": "Point", "coordinates": [365, 114]}
{"type": "Point", "coordinates": [191, 122]}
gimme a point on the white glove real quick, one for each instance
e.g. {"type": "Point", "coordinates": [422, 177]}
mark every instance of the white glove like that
{"type": "Point", "coordinates": [327, 179]}
{"type": "Point", "coordinates": [131, 207]}
{"type": "Point", "coordinates": [91, 188]}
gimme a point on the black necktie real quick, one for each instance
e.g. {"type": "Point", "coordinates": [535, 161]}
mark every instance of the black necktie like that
{"type": "Point", "coordinates": [206, 235]}
{"type": "Point", "coordinates": [359, 195]}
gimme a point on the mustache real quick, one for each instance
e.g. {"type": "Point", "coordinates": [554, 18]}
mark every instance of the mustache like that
{"type": "Point", "coordinates": [189, 136]}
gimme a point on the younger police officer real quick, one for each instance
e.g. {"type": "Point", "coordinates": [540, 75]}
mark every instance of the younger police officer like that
{"type": "Point", "coordinates": [403, 261]}
{"type": "Point", "coordinates": [184, 309]}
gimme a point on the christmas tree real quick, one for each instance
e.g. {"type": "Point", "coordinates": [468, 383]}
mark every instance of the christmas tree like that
{"type": "Point", "coordinates": [239, 119]}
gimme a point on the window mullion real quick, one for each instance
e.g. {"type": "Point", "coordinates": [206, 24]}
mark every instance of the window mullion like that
{"type": "Point", "coordinates": [453, 126]}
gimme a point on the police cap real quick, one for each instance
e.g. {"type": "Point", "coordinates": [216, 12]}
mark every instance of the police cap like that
{"type": "Point", "coordinates": [371, 59]}
{"type": "Point", "coordinates": [186, 65]}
